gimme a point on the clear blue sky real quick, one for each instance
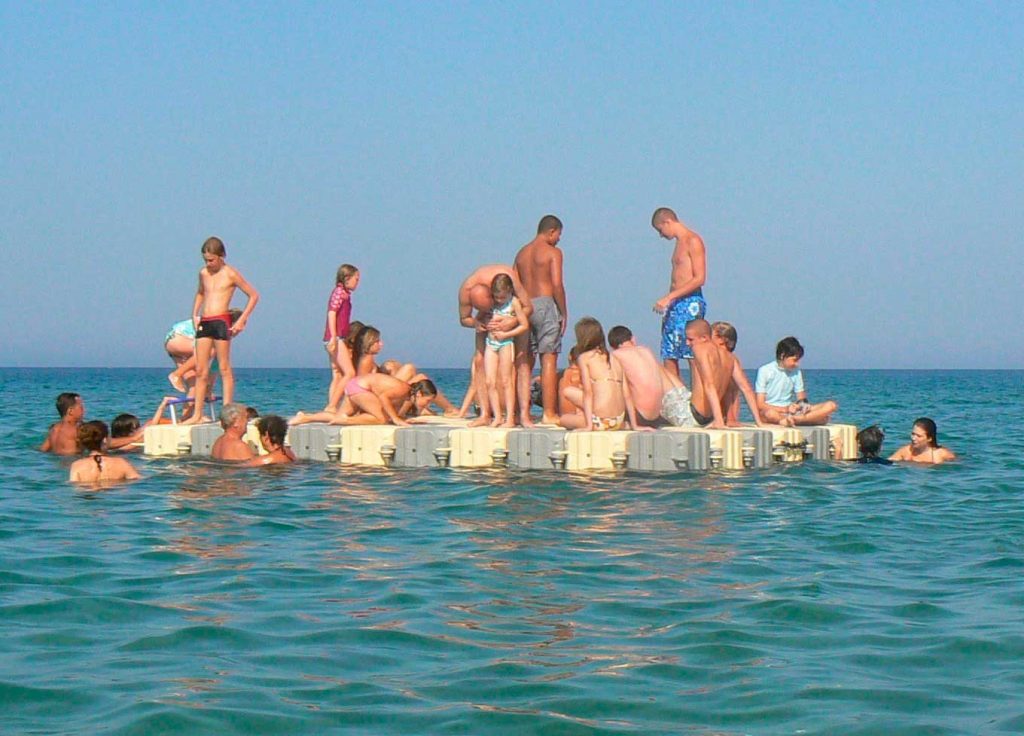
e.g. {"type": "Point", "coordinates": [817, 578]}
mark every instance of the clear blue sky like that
{"type": "Point", "coordinates": [855, 170]}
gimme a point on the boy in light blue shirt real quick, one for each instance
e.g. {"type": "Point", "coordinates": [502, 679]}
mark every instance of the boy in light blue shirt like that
{"type": "Point", "coordinates": [781, 396]}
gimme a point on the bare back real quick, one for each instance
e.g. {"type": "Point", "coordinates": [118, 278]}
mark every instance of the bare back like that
{"type": "Point", "coordinates": [62, 439]}
{"type": "Point", "coordinates": [98, 468]}
{"type": "Point", "coordinates": [231, 447]}
{"type": "Point", "coordinates": [645, 376]}
{"type": "Point", "coordinates": [539, 265]}
{"type": "Point", "coordinates": [605, 376]}
{"type": "Point", "coordinates": [710, 365]}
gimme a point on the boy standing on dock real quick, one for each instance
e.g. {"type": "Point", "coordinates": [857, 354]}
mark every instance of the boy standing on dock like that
{"type": "Point", "coordinates": [684, 301]}
{"type": "Point", "coordinates": [214, 328]}
{"type": "Point", "coordinates": [539, 265]}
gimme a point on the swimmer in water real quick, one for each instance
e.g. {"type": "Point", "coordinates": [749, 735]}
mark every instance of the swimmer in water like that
{"type": "Point", "coordinates": [273, 430]}
{"type": "Point", "coordinates": [924, 445]}
{"type": "Point", "coordinates": [62, 439]}
{"type": "Point", "coordinates": [98, 466]}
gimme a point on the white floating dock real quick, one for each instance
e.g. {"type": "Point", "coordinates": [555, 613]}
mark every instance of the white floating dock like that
{"type": "Point", "coordinates": [441, 442]}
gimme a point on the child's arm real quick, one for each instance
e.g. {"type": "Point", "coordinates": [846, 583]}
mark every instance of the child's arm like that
{"type": "Point", "coordinates": [743, 383]}
{"type": "Point", "coordinates": [588, 390]}
{"type": "Point", "coordinates": [254, 296]}
{"type": "Point", "coordinates": [627, 395]}
{"type": "Point", "coordinates": [522, 322]}
{"type": "Point", "coordinates": [47, 443]}
{"type": "Point", "coordinates": [387, 403]}
{"type": "Point", "coordinates": [197, 303]}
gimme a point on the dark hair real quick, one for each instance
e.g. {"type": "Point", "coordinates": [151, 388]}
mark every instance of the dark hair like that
{"type": "Point", "coordinates": [424, 386]}
{"type": "Point", "coordinates": [789, 347]}
{"type": "Point", "coordinates": [354, 328]}
{"type": "Point", "coordinates": [929, 429]}
{"type": "Point", "coordinates": [727, 332]}
{"type": "Point", "coordinates": [548, 222]}
{"type": "Point", "coordinates": [590, 336]}
{"type": "Point", "coordinates": [618, 335]}
{"type": "Point", "coordinates": [91, 435]}
{"type": "Point", "coordinates": [251, 413]}
{"type": "Point", "coordinates": [869, 440]}
{"type": "Point", "coordinates": [214, 246]}
{"type": "Point", "coordinates": [345, 271]}
{"type": "Point", "coordinates": [274, 427]}
{"type": "Point", "coordinates": [661, 214]}
{"type": "Point", "coordinates": [124, 425]}
{"type": "Point", "coordinates": [65, 401]}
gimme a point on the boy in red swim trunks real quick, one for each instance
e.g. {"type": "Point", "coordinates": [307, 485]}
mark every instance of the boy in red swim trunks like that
{"type": "Point", "coordinates": [214, 328]}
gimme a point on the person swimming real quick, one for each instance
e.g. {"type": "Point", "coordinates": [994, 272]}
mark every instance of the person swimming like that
{"type": "Point", "coordinates": [98, 466]}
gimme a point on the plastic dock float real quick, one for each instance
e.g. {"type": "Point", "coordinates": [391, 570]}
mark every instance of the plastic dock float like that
{"type": "Point", "coordinates": [843, 440]}
{"type": "Point", "coordinates": [480, 447]}
{"type": "Point", "coordinates": [597, 450]}
{"type": "Point", "coordinates": [169, 439]}
{"type": "Point", "coordinates": [316, 441]}
{"type": "Point", "coordinates": [539, 448]}
{"type": "Point", "coordinates": [668, 451]}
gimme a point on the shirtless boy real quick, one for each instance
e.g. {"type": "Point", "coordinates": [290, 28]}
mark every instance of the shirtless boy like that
{"type": "Point", "coordinates": [230, 445]}
{"type": "Point", "coordinates": [723, 334]}
{"type": "Point", "coordinates": [711, 376]}
{"type": "Point", "coordinates": [214, 328]}
{"type": "Point", "coordinates": [539, 266]}
{"type": "Point", "coordinates": [648, 384]}
{"type": "Point", "coordinates": [475, 293]}
{"type": "Point", "coordinates": [781, 396]}
{"type": "Point", "coordinates": [685, 300]}
{"type": "Point", "coordinates": [62, 439]}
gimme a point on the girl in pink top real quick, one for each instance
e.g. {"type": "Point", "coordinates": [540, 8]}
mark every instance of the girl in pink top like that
{"type": "Point", "coordinates": [339, 311]}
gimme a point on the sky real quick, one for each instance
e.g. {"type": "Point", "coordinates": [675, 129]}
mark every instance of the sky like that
{"type": "Point", "coordinates": [855, 170]}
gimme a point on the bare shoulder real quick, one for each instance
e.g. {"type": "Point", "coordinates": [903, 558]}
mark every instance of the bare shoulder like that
{"type": "Point", "coordinates": [693, 241]}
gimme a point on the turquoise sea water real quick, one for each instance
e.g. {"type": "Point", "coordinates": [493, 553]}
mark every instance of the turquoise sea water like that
{"type": "Point", "coordinates": [813, 599]}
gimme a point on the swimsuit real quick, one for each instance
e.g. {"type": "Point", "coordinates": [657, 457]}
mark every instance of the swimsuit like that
{"type": "Point", "coordinates": [505, 310]}
{"type": "Point", "coordinates": [185, 328]}
{"type": "Point", "coordinates": [545, 326]}
{"type": "Point", "coordinates": [701, 420]}
{"type": "Point", "coordinates": [340, 303]}
{"type": "Point", "coordinates": [215, 327]}
{"type": "Point", "coordinates": [673, 327]}
{"type": "Point", "coordinates": [354, 388]}
{"type": "Point", "coordinates": [604, 424]}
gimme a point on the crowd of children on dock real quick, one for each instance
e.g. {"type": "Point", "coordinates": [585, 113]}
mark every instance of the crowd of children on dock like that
{"type": "Point", "coordinates": [517, 312]}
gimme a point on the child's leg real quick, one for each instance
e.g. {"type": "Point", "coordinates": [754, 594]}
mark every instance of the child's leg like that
{"type": "Point", "coordinates": [204, 347]}
{"type": "Point", "coordinates": [506, 376]}
{"type": "Point", "coordinates": [492, 379]}
{"type": "Point", "coordinates": [574, 396]}
{"type": "Point", "coordinates": [775, 415]}
{"type": "Point", "coordinates": [227, 376]}
{"type": "Point", "coordinates": [522, 376]}
{"type": "Point", "coordinates": [818, 413]}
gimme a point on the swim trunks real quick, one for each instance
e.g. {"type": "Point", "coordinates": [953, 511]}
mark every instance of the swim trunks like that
{"type": "Point", "coordinates": [702, 421]}
{"type": "Point", "coordinates": [673, 326]}
{"type": "Point", "coordinates": [607, 424]}
{"type": "Point", "coordinates": [545, 326]}
{"type": "Point", "coordinates": [215, 327]}
{"type": "Point", "coordinates": [675, 407]}
{"type": "Point", "coordinates": [505, 310]}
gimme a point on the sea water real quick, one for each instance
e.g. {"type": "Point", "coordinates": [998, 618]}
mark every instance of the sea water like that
{"type": "Point", "coordinates": [820, 598]}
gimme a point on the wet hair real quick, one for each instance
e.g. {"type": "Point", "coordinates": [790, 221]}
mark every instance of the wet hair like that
{"type": "Point", "coordinates": [124, 425]}
{"type": "Point", "coordinates": [573, 354]}
{"type": "Point", "coordinates": [229, 414]}
{"type": "Point", "coordinates": [502, 284]}
{"type": "Point", "coordinates": [214, 246]}
{"type": "Point", "coordinates": [661, 215]}
{"type": "Point", "coordinates": [618, 335]}
{"type": "Point", "coordinates": [274, 427]}
{"type": "Point", "coordinates": [91, 435]}
{"type": "Point", "coordinates": [251, 413]}
{"type": "Point", "coordinates": [869, 440]}
{"type": "Point", "coordinates": [698, 327]}
{"type": "Point", "coordinates": [354, 328]}
{"type": "Point", "coordinates": [367, 336]}
{"type": "Point", "coordinates": [789, 347]}
{"type": "Point", "coordinates": [548, 222]}
{"type": "Point", "coordinates": [930, 429]}
{"type": "Point", "coordinates": [65, 401]}
{"type": "Point", "coordinates": [345, 272]}
{"type": "Point", "coordinates": [727, 332]}
{"type": "Point", "coordinates": [589, 336]}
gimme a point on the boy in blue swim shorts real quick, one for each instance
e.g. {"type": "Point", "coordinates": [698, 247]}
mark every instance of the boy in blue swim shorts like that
{"type": "Point", "coordinates": [685, 301]}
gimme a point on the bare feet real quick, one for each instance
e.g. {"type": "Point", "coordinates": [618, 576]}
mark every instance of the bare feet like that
{"type": "Point", "coordinates": [550, 420]}
{"type": "Point", "coordinates": [526, 420]}
{"type": "Point", "coordinates": [509, 425]}
{"type": "Point", "coordinates": [175, 380]}
{"type": "Point", "coordinates": [480, 421]}
{"type": "Point", "coordinates": [299, 418]}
